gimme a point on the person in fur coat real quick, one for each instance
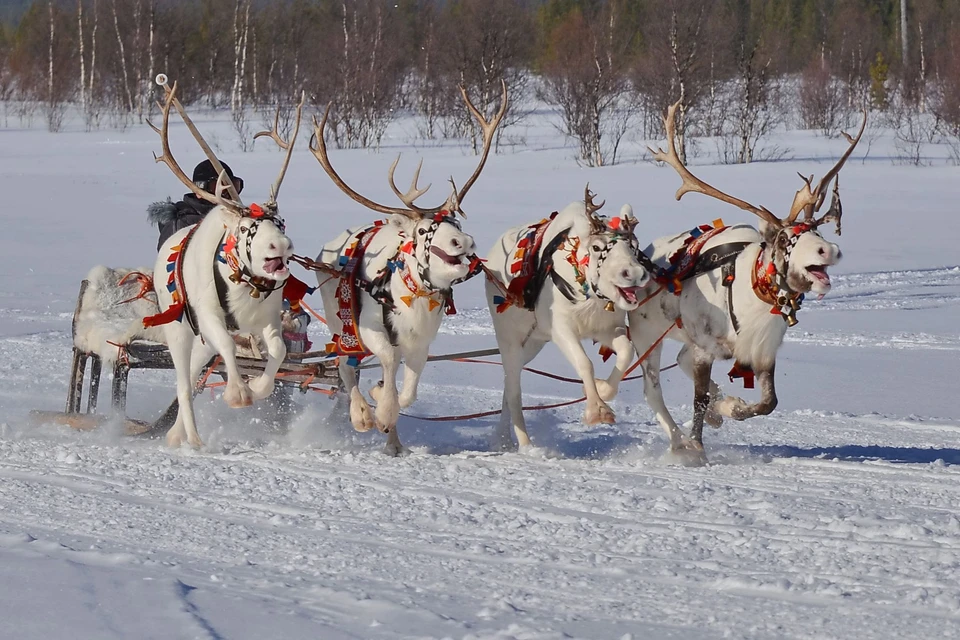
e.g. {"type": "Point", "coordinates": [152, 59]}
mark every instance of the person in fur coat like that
{"type": "Point", "coordinates": [171, 216]}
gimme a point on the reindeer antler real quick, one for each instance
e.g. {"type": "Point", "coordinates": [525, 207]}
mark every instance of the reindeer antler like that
{"type": "Point", "coordinates": [319, 149]}
{"type": "Point", "coordinates": [161, 80]}
{"type": "Point", "coordinates": [597, 225]}
{"type": "Point", "coordinates": [691, 182]}
{"type": "Point", "coordinates": [286, 145]}
{"type": "Point", "coordinates": [167, 156]}
{"type": "Point", "coordinates": [809, 200]}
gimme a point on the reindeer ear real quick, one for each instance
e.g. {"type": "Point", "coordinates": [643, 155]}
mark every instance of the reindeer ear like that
{"type": "Point", "coordinates": [768, 231]}
{"type": "Point", "coordinates": [626, 211]}
{"type": "Point", "coordinates": [403, 224]}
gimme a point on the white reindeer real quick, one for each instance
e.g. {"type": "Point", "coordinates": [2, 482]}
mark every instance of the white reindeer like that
{"type": "Point", "coordinates": [568, 278]}
{"type": "Point", "coordinates": [395, 284]}
{"type": "Point", "coordinates": [223, 275]}
{"type": "Point", "coordinates": [740, 291]}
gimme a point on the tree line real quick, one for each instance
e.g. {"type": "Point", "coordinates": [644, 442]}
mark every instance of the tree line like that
{"type": "Point", "coordinates": [740, 68]}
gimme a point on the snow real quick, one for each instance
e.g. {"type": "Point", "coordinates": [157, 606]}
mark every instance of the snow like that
{"type": "Point", "coordinates": [835, 517]}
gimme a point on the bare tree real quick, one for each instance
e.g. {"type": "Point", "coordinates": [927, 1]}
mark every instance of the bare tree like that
{"type": "Point", "coordinates": [823, 98]}
{"type": "Point", "coordinates": [483, 41]}
{"type": "Point", "coordinates": [370, 69]}
{"type": "Point", "coordinates": [680, 36]}
{"type": "Point", "coordinates": [586, 80]}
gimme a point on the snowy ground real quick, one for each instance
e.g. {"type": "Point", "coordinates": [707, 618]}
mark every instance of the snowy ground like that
{"type": "Point", "coordinates": [836, 517]}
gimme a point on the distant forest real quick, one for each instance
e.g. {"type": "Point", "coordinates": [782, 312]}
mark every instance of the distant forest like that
{"type": "Point", "coordinates": [739, 67]}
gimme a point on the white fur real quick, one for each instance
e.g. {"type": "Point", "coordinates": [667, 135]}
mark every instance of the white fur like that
{"type": "Point", "coordinates": [521, 334]}
{"type": "Point", "coordinates": [254, 315]}
{"type": "Point", "coordinates": [708, 331]}
{"type": "Point", "coordinates": [416, 326]}
{"type": "Point", "coordinates": [102, 320]}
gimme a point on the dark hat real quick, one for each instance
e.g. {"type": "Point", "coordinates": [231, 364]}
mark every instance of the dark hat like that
{"type": "Point", "coordinates": [204, 172]}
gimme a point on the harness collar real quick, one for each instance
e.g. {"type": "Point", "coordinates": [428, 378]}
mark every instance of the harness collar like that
{"type": "Point", "coordinates": [229, 255]}
{"type": "Point", "coordinates": [620, 231]}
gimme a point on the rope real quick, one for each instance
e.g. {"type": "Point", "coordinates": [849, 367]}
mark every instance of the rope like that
{"type": "Point", "coordinates": [313, 265]}
{"type": "Point", "coordinates": [312, 312]}
{"type": "Point", "coordinates": [539, 407]}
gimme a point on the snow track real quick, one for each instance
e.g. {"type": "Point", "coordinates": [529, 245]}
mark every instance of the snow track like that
{"type": "Point", "coordinates": [835, 517]}
{"type": "Point", "coordinates": [807, 524]}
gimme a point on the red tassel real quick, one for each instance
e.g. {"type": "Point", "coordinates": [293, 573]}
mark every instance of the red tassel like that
{"type": "Point", "coordinates": [173, 312]}
{"type": "Point", "coordinates": [742, 371]}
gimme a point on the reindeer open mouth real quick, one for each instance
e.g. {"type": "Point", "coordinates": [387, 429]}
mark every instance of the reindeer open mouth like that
{"type": "Point", "coordinates": [630, 294]}
{"type": "Point", "coordinates": [453, 261]}
{"type": "Point", "coordinates": [275, 266]}
{"type": "Point", "coordinates": [818, 272]}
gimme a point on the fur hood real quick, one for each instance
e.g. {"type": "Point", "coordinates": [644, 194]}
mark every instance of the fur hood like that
{"type": "Point", "coordinates": [162, 213]}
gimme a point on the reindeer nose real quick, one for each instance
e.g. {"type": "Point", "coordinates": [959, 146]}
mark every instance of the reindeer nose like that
{"type": "Point", "coordinates": [626, 274]}
{"type": "Point", "coordinates": [456, 243]}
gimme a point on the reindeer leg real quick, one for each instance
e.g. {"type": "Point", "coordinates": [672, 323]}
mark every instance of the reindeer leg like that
{"type": "Point", "coordinates": [413, 364]}
{"type": "Point", "coordinates": [625, 352]}
{"type": "Point", "coordinates": [703, 365]}
{"type": "Point", "coordinates": [514, 358]}
{"type": "Point", "coordinates": [597, 410]}
{"type": "Point", "coordinates": [361, 415]}
{"type": "Point", "coordinates": [236, 394]}
{"type": "Point", "coordinates": [262, 386]}
{"type": "Point", "coordinates": [685, 362]}
{"type": "Point", "coordinates": [739, 410]}
{"type": "Point", "coordinates": [653, 394]}
{"type": "Point", "coordinates": [181, 343]}
{"type": "Point", "coordinates": [385, 395]}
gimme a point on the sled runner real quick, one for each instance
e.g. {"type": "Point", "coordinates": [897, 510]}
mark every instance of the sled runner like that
{"type": "Point", "coordinates": [108, 332]}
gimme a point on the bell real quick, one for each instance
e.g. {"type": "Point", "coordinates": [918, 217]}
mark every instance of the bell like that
{"type": "Point", "coordinates": [795, 304]}
{"type": "Point", "coordinates": [609, 306]}
{"type": "Point", "coordinates": [235, 277]}
{"type": "Point", "coordinates": [255, 293]}
{"type": "Point", "coordinates": [792, 318]}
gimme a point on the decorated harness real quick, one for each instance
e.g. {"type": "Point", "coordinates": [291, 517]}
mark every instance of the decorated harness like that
{"type": "Point", "coordinates": [768, 280]}
{"type": "Point", "coordinates": [351, 282]}
{"type": "Point", "coordinates": [531, 266]}
{"type": "Point", "coordinates": [227, 254]}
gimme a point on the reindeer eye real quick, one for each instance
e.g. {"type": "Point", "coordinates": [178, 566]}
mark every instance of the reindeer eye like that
{"type": "Point", "coordinates": [596, 247]}
{"type": "Point", "coordinates": [244, 229]}
{"type": "Point", "coordinates": [421, 231]}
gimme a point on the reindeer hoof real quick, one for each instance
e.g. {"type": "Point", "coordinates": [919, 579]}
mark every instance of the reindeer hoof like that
{"type": "Point", "coordinates": [261, 387]}
{"type": "Point", "coordinates": [175, 438]}
{"type": "Point", "coordinates": [237, 396]}
{"type": "Point", "coordinates": [729, 407]}
{"type": "Point", "coordinates": [196, 443]}
{"type": "Point", "coordinates": [360, 415]}
{"type": "Point", "coordinates": [712, 418]}
{"type": "Point", "coordinates": [688, 454]}
{"type": "Point", "coordinates": [606, 390]}
{"type": "Point", "coordinates": [395, 450]}
{"type": "Point", "coordinates": [600, 415]}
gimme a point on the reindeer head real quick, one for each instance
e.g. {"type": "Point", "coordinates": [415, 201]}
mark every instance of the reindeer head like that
{"type": "Point", "coordinates": [613, 270]}
{"type": "Point", "coordinates": [262, 244]}
{"type": "Point", "coordinates": [255, 234]}
{"type": "Point", "coordinates": [443, 252]}
{"type": "Point", "coordinates": [800, 253]}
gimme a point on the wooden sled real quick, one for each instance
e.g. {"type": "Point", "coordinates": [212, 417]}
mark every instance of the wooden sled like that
{"type": "Point", "coordinates": [300, 370]}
